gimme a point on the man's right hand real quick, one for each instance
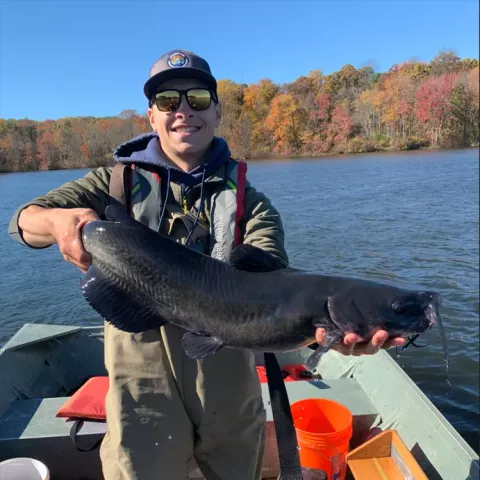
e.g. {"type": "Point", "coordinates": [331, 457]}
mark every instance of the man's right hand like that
{"type": "Point", "coordinates": [43, 226]}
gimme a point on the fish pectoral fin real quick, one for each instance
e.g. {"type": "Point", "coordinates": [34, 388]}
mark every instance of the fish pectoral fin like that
{"type": "Point", "coordinates": [314, 358]}
{"type": "Point", "coordinates": [115, 306]}
{"type": "Point", "coordinates": [200, 346]}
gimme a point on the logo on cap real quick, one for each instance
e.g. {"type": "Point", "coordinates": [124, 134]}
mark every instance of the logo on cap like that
{"type": "Point", "coordinates": [177, 60]}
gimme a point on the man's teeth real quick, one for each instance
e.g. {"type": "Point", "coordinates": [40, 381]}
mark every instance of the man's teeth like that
{"type": "Point", "coordinates": [186, 129]}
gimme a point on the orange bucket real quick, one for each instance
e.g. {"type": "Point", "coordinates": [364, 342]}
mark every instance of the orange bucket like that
{"type": "Point", "coordinates": [324, 430]}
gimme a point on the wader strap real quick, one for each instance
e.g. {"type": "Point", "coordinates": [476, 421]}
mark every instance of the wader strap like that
{"type": "Point", "coordinates": [290, 468]}
{"type": "Point", "coordinates": [241, 183]}
{"type": "Point", "coordinates": [118, 185]}
{"type": "Point", "coordinates": [73, 435]}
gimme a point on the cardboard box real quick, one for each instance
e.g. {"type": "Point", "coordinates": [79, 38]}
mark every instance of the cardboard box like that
{"type": "Point", "coordinates": [384, 457]}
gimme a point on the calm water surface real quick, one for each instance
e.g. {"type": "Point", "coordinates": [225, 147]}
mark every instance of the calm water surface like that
{"type": "Point", "coordinates": [411, 218]}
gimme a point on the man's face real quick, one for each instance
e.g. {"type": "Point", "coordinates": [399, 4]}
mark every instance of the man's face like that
{"type": "Point", "coordinates": [185, 132]}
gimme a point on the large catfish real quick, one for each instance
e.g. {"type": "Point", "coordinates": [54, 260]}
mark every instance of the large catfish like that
{"type": "Point", "coordinates": [140, 280]}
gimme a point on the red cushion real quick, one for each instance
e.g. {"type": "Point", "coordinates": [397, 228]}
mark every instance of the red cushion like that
{"type": "Point", "coordinates": [291, 373]}
{"type": "Point", "coordinates": [88, 401]}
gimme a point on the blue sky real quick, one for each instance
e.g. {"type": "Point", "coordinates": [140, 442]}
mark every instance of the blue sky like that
{"type": "Point", "coordinates": [73, 58]}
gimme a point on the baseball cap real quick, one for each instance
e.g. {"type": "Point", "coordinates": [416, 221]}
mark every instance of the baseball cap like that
{"type": "Point", "coordinates": [176, 64]}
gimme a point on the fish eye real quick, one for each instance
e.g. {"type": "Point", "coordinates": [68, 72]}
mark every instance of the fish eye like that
{"type": "Point", "coordinates": [398, 306]}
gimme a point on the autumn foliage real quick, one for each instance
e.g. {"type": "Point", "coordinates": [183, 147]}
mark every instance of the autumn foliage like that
{"type": "Point", "coordinates": [412, 105]}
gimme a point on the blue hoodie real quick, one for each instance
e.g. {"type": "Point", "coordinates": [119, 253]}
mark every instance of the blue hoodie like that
{"type": "Point", "coordinates": [145, 149]}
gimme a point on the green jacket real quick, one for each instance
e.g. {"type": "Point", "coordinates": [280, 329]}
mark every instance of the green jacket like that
{"type": "Point", "coordinates": [261, 226]}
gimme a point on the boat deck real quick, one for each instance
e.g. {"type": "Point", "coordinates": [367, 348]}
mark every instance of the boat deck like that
{"type": "Point", "coordinates": [43, 365]}
{"type": "Point", "coordinates": [30, 428]}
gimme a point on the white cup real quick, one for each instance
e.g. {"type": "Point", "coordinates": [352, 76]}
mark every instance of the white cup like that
{"type": "Point", "coordinates": [23, 469]}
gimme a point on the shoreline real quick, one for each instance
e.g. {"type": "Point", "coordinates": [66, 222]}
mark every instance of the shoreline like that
{"type": "Point", "coordinates": [271, 157]}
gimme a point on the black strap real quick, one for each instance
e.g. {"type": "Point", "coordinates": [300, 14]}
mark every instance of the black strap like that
{"type": "Point", "coordinates": [290, 468]}
{"type": "Point", "coordinates": [118, 185]}
{"type": "Point", "coordinates": [73, 435]}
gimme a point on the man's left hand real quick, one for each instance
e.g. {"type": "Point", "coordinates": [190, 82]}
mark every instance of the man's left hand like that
{"type": "Point", "coordinates": [353, 344]}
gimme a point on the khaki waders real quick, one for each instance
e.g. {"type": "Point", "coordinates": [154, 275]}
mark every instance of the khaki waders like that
{"type": "Point", "coordinates": [163, 408]}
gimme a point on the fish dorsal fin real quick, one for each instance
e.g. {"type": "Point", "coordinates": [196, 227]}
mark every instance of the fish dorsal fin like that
{"type": "Point", "coordinates": [114, 213]}
{"type": "Point", "coordinates": [253, 259]}
{"type": "Point", "coordinates": [200, 346]}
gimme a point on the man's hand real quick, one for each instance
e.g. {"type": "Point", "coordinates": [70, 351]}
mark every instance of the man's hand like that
{"type": "Point", "coordinates": [43, 226]}
{"type": "Point", "coordinates": [67, 227]}
{"type": "Point", "coordinates": [353, 344]}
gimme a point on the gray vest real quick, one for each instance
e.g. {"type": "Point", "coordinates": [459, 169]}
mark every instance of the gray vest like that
{"type": "Point", "coordinates": [217, 237]}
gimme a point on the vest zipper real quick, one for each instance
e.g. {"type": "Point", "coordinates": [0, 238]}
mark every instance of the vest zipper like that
{"type": "Point", "coordinates": [183, 201]}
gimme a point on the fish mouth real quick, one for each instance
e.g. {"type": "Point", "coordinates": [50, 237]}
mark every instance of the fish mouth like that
{"type": "Point", "coordinates": [433, 317]}
{"type": "Point", "coordinates": [431, 314]}
{"type": "Point", "coordinates": [431, 302]}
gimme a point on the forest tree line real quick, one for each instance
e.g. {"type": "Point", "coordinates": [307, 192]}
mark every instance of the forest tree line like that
{"type": "Point", "coordinates": [412, 105]}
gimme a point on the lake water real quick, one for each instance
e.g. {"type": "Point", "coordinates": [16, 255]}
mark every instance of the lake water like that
{"type": "Point", "coordinates": [411, 217]}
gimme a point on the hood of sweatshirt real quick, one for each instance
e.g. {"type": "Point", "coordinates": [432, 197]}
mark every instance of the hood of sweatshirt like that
{"type": "Point", "coordinates": [146, 149]}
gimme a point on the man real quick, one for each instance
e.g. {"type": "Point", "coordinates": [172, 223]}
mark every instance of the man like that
{"type": "Point", "coordinates": [163, 407]}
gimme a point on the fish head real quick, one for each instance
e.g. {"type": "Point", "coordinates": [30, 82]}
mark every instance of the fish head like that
{"type": "Point", "coordinates": [366, 308]}
{"type": "Point", "coordinates": [415, 312]}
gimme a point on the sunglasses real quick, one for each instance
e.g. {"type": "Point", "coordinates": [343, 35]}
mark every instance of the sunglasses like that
{"type": "Point", "coordinates": [168, 100]}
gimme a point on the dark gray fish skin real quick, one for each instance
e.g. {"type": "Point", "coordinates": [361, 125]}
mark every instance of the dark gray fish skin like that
{"type": "Point", "coordinates": [140, 280]}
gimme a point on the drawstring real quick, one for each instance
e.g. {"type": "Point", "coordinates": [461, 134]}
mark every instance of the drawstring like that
{"type": "Point", "coordinates": [199, 207]}
{"type": "Point", "coordinates": [198, 211]}
{"type": "Point", "coordinates": [165, 202]}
